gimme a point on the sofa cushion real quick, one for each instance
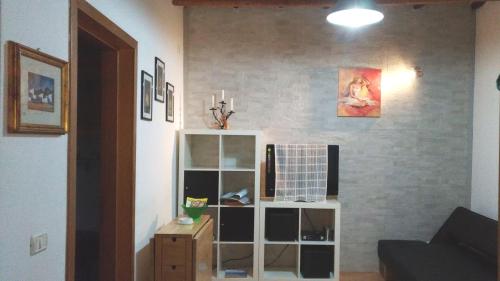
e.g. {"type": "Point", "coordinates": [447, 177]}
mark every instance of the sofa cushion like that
{"type": "Point", "coordinates": [472, 232]}
{"type": "Point", "coordinates": [419, 261]}
{"type": "Point", "coordinates": [389, 250]}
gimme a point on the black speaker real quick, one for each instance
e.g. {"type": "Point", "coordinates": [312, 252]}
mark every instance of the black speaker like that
{"type": "Point", "coordinates": [270, 171]}
{"type": "Point", "coordinates": [332, 183]}
{"type": "Point", "coordinates": [282, 224]}
{"type": "Point", "coordinates": [316, 261]}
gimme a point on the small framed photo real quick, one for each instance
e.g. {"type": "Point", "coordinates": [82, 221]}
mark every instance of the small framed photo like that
{"type": "Point", "coordinates": [146, 96]}
{"type": "Point", "coordinates": [37, 92]}
{"type": "Point", "coordinates": [170, 102]}
{"type": "Point", "coordinates": [160, 89]}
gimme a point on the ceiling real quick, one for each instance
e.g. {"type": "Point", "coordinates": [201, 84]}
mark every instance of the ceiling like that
{"type": "Point", "coordinates": [312, 3]}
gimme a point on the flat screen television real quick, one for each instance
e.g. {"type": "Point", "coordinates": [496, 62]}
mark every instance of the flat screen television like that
{"type": "Point", "coordinates": [332, 184]}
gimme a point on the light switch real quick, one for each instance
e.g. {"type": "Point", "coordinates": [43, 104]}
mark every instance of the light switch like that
{"type": "Point", "coordinates": [38, 243]}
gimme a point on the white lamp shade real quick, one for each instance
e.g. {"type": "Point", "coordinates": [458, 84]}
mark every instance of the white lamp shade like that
{"type": "Point", "coordinates": [355, 13]}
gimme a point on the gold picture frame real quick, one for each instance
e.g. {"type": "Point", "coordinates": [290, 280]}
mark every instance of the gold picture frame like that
{"type": "Point", "coordinates": [38, 91]}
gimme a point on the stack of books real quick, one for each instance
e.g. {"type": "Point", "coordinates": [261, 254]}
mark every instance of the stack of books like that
{"type": "Point", "coordinates": [239, 198]}
{"type": "Point", "coordinates": [235, 273]}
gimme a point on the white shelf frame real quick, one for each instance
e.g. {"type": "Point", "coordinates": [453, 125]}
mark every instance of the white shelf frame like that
{"type": "Point", "coordinates": [331, 205]}
{"type": "Point", "coordinates": [219, 274]}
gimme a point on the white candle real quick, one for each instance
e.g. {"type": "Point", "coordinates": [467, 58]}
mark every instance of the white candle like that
{"type": "Point", "coordinates": [213, 101]}
{"type": "Point", "coordinates": [222, 95]}
{"type": "Point", "coordinates": [232, 105]}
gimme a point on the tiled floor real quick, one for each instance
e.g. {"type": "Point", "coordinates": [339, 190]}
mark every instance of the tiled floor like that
{"type": "Point", "coordinates": [360, 276]}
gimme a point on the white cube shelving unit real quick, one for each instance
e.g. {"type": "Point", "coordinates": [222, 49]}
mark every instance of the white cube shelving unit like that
{"type": "Point", "coordinates": [211, 163]}
{"type": "Point", "coordinates": [276, 262]}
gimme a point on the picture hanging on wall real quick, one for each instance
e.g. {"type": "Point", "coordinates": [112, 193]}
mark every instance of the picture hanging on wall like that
{"type": "Point", "coordinates": [146, 96]}
{"type": "Point", "coordinates": [37, 92]}
{"type": "Point", "coordinates": [170, 102]}
{"type": "Point", "coordinates": [359, 92]}
{"type": "Point", "coordinates": [159, 80]}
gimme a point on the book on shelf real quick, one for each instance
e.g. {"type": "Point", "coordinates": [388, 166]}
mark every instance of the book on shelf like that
{"type": "Point", "coordinates": [235, 273]}
{"type": "Point", "coordinates": [236, 198]}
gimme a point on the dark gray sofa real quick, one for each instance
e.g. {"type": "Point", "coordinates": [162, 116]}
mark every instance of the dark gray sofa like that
{"type": "Point", "coordinates": [464, 249]}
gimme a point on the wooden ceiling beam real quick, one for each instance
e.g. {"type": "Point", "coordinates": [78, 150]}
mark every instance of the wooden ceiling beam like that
{"type": "Point", "coordinates": [476, 4]}
{"type": "Point", "coordinates": [301, 3]}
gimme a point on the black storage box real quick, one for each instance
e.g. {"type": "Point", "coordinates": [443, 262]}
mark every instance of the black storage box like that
{"type": "Point", "coordinates": [316, 261]}
{"type": "Point", "coordinates": [236, 224]}
{"type": "Point", "coordinates": [202, 184]}
{"type": "Point", "coordinates": [282, 224]}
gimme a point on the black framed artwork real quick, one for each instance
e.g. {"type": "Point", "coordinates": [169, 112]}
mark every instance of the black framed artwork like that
{"type": "Point", "coordinates": [170, 102]}
{"type": "Point", "coordinates": [160, 89]}
{"type": "Point", "coordinates": [146, 96]}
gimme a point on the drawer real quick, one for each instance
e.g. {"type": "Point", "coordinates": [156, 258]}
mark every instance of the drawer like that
{"type": "Point", "coordinates": [174, 250]}
{"type": "Point", "coordinates": [174, 273]}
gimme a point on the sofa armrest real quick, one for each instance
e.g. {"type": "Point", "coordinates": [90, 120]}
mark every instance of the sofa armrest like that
{"type": "Point", "coordinates": [470, 231]}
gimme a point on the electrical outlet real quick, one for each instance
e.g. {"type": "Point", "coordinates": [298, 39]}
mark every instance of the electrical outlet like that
{"type": "Point", "coordinates": [38, 243]}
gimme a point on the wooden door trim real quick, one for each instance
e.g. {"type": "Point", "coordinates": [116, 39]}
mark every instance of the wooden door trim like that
{"type": "Point", "coordinates": [85, 17]}
{"type": "Point", "coordinates": [107, 30]}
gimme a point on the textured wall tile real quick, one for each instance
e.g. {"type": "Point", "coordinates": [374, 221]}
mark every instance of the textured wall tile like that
{"type": "Point", "coordinates": [400, 175]}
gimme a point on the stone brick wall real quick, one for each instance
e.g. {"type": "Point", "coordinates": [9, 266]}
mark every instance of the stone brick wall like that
{"type": "Point", "coordinates": [400, 175]}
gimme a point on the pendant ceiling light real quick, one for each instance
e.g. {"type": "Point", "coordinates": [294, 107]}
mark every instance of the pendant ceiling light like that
{"type": "Point", "coordinates": [355, 13]}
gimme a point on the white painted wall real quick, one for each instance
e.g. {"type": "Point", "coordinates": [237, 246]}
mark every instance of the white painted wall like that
{"type": "Point", "coordinates": [33, 169]}
{"type": "Point", "coordinates": [486, 112]}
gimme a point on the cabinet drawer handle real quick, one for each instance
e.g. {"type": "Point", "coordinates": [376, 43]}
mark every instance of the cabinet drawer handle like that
{"type": "Point", "coordinates": [174, 239]}
{"type": "Point", "coordinates": [173, 267]}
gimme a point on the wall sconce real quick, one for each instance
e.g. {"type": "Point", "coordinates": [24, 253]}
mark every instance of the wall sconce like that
{"type": "Point", "coordinates": [401, 77]}
{"type": "Point", "coordinates": [419, 72]}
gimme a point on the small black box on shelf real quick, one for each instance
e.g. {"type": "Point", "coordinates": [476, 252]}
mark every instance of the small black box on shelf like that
{"type": "Point", "coordinates": [202, 184]}
{"type": "Point", "coordinates": [236, 224]}
{"type": "Point", "coordinates": [282, 224]}
{"type": "Point", "coordinates": [316, 261]}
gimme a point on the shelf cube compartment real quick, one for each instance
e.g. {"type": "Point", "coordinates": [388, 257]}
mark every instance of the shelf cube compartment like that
{"type": "Point", "coordinates": [238, 152]}
{"type": "Point", "coordinates": [318, 222]}
{"type": "Point", "coordinates": [316, 261]}
{"type": "Point", "coordinates": [201, 152]}
{"type": "Point", "coordinates": [282, 224]}
{"type": "Point", "coordinates": [215, 269]}
{"type": "Point", "coordinates": [280, 261]}
{"type": "Point", "coordinates": [213, 212]}
{"type": "Point", "coordinates": [233, 181]}
{"type": "Point", "coordinates": [237, 224]}
{"type": "Point", "coordinates": [202, 184]}
{"type": "Point", "coordinates": [236, 257]}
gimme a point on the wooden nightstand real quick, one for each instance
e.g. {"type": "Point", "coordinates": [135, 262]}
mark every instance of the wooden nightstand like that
{"type": "Point", "coordinates": [184, 252]}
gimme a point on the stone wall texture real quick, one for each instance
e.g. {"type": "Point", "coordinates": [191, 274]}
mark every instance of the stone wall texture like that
{"type": "Point", "coordinates": [401, 175]}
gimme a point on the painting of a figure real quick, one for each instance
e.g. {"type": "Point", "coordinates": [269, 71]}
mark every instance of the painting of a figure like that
{"type": "Point", "coordinates": [359, 92]}
{"type": "Point", "coordinates": [41, 92]}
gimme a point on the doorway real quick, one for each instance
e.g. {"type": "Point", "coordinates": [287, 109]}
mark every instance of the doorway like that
{"type": "Point", "coordinates": [89, 191]}
{"type": "Point", "coordinates": [101, 154]}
